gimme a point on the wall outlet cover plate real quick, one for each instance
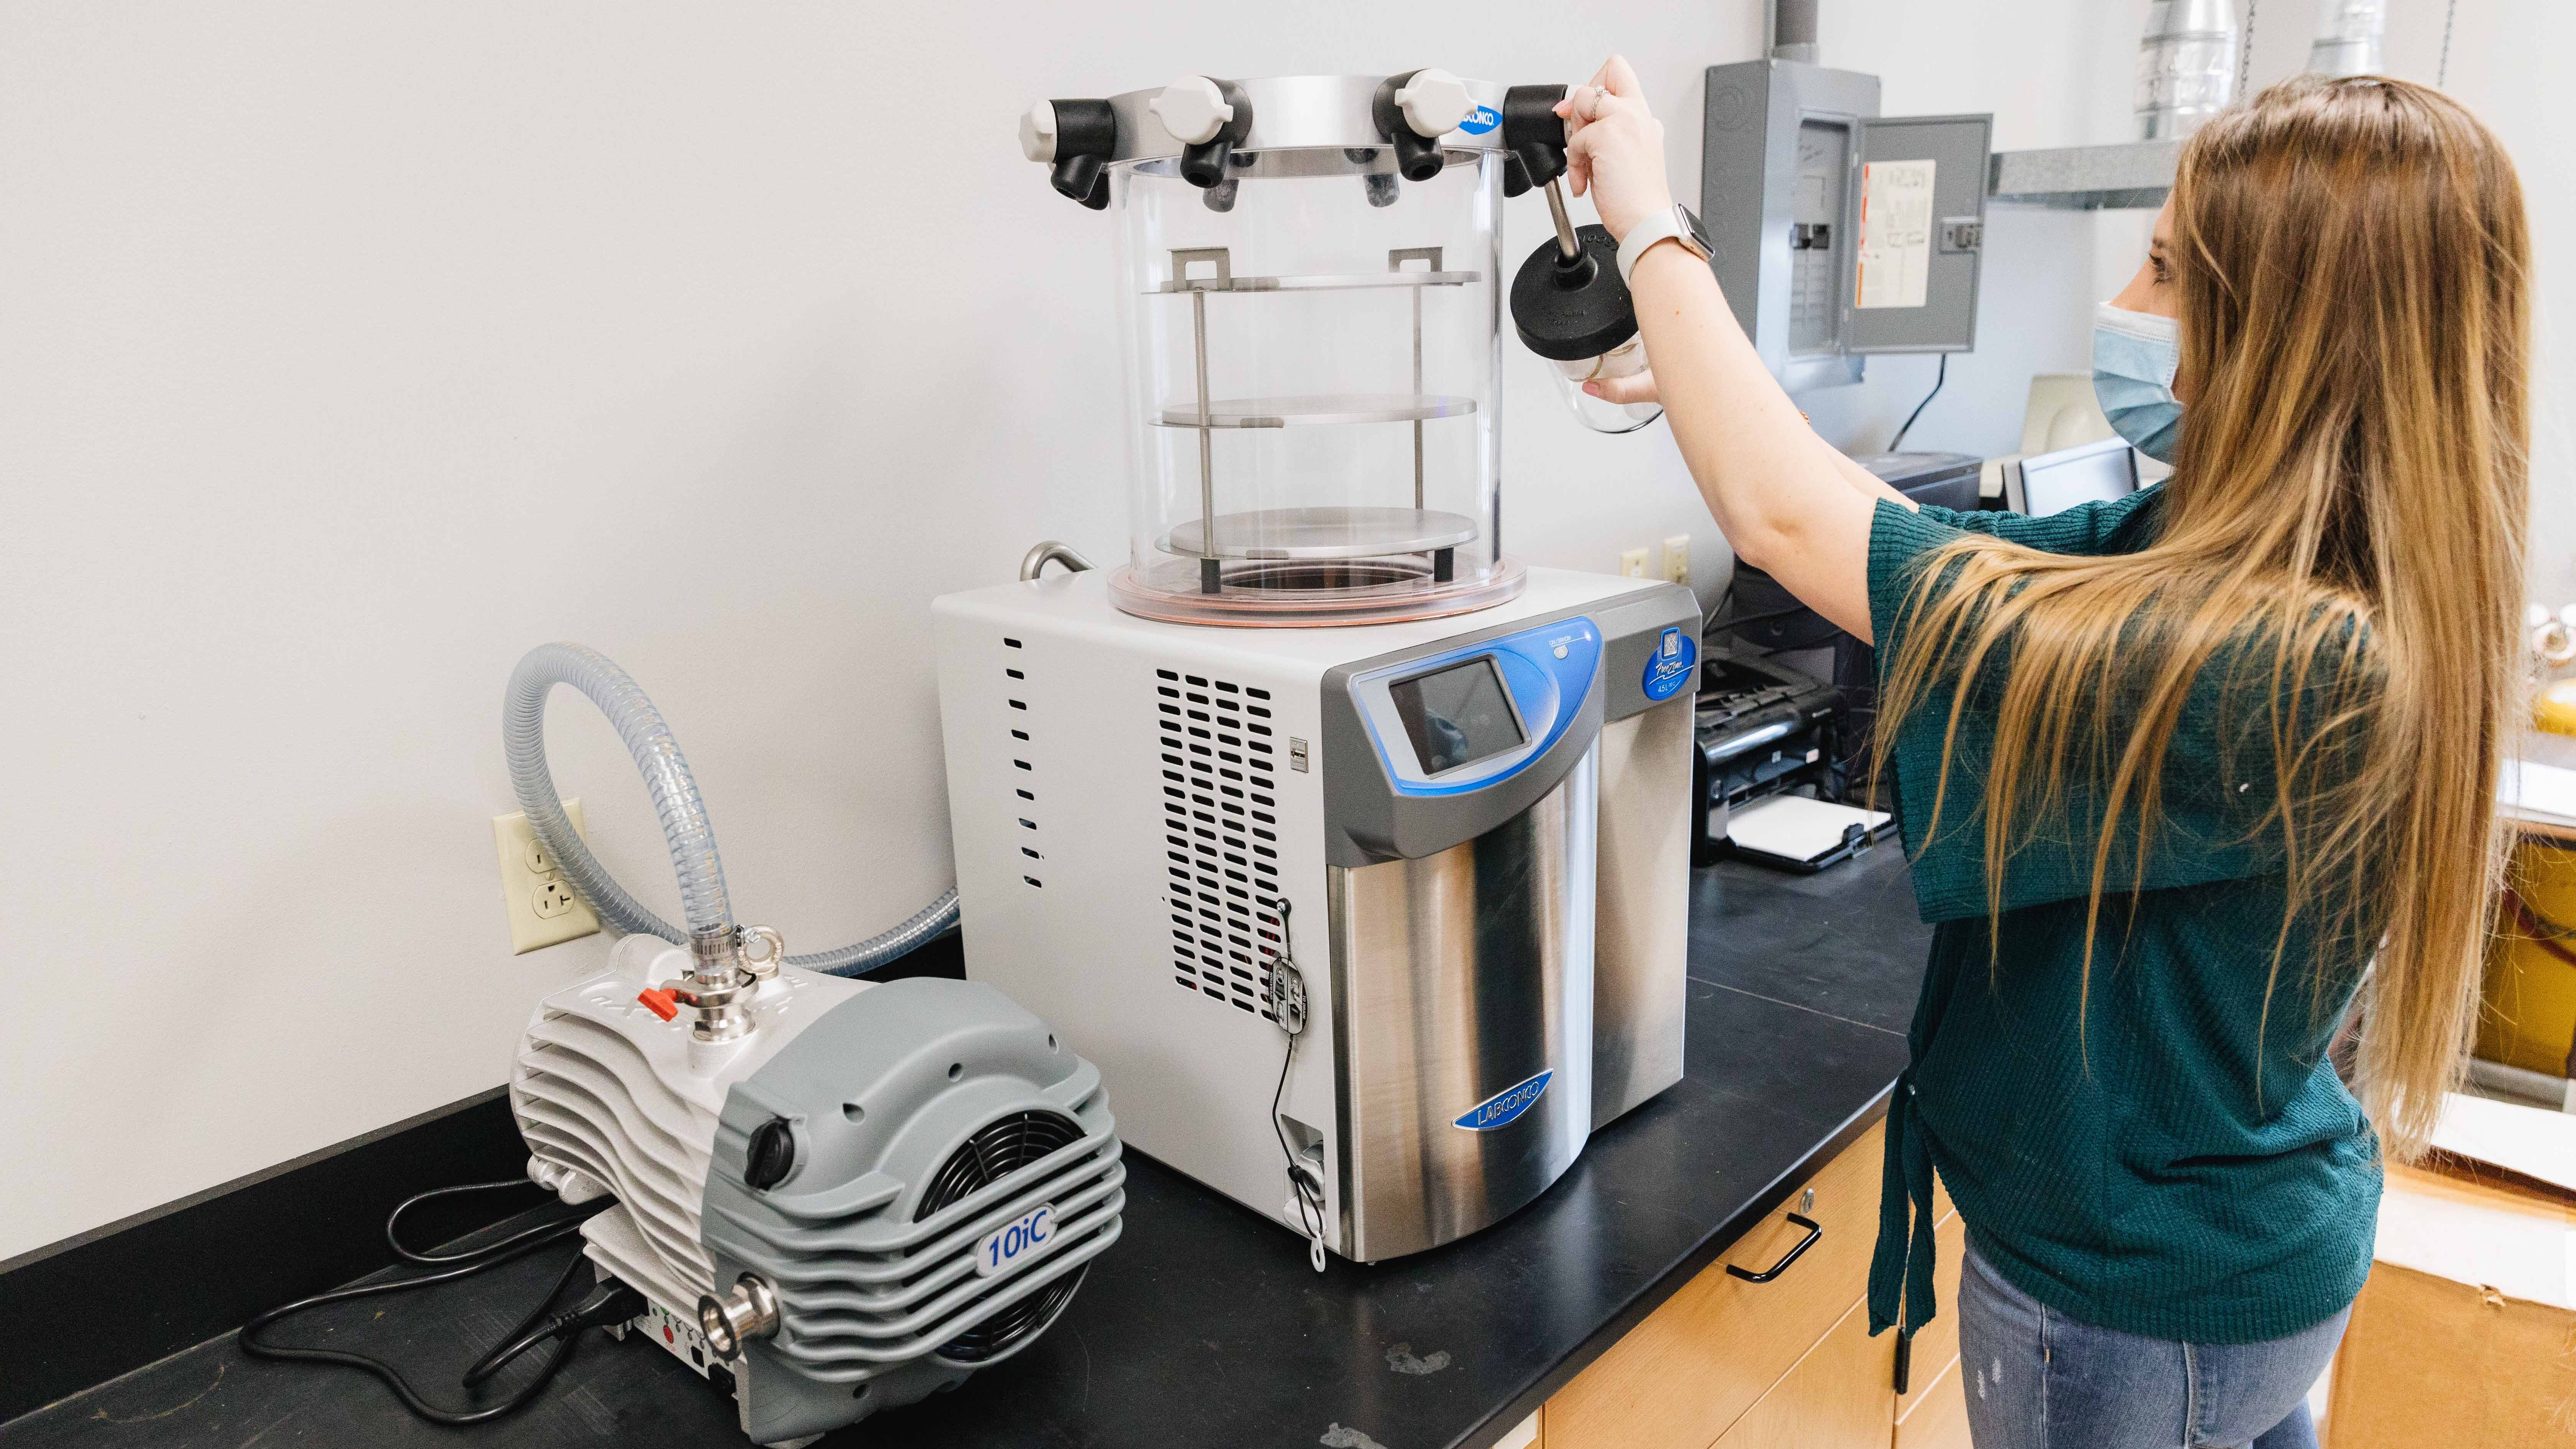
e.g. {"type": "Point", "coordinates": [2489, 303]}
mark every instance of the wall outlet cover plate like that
{"type": "Point", "coordinates": [542, 907]}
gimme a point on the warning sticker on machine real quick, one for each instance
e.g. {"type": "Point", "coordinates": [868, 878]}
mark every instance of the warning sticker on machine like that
{"type": "Point", "coordinates": [1895, 252]}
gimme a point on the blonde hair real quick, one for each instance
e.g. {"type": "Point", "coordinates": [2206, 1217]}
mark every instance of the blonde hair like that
{"type": "Point", "coordinates": [2342, 539]}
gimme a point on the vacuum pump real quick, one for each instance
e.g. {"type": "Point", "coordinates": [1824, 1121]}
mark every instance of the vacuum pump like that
{"type": "Point", "coordinates": [834, 1195]}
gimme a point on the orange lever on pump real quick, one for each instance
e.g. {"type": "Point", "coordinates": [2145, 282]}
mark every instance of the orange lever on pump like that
{"type": "Point", "coordinates": [661, 1003]}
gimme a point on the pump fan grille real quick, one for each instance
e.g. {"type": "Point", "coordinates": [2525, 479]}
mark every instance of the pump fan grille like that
{"type": "Point", "coordinates": [1002, 1147]}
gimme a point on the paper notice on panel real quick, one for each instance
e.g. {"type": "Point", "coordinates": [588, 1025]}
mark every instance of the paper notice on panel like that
{"type": "Point", "coordinates": [1895, 249]}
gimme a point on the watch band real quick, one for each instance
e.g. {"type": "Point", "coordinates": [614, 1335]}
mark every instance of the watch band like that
{"type": "Point", "coordinates": [1663, 226]}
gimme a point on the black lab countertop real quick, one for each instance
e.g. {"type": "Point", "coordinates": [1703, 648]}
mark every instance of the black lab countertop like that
{"type": "Point", "coordinates": [1204, 1326]}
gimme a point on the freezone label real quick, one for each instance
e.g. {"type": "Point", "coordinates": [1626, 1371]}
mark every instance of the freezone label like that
{"type": "Point", "coordinates": [1015, 1242]}
{"type": "Point", "coordinates": [1671, 666]}
{"type": "Point", "coordinates": [1505, 1106]}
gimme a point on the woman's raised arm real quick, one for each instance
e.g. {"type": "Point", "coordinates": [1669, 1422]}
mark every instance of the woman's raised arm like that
{"type": "Point", "coordinates": [1787, 501]}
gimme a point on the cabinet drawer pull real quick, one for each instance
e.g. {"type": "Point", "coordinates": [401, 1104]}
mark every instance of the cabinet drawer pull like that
{"type": "Point", "coordinates": [1815, 1235]}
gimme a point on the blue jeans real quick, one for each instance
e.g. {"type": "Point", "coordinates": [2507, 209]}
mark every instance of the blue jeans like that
{"type": "Point", "coordinates": [2037, 1379]}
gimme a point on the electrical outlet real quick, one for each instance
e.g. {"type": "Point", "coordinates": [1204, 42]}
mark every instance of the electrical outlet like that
{"type": "Point", "coordinates": [1677, 560]}
{"type": "Point", "coordinates": [554, 898]}
{"type": "Point", "coordinates": [542, 907]}
{"type": "Point", "coordinates": [1632, 564]}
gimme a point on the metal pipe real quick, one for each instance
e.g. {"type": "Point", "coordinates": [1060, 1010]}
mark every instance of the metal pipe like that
{"type": "Point", "coordinates": [2186, 67]}
{"type": "Point", "coordinates": [1210, 580]}
{"type": "Point", "coordinates": [1566, 241]}
{"type": "Point", "coordinates": [1034, 562]}
{"type": "Point", "coordinates": [2351, 34]}
{"type": "Point", "coordinates": [1793, 30]}
{"type": "Point", "coordinates": [1417, 394]}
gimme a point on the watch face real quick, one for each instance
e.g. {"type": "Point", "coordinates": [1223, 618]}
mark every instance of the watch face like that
{"type": "Point", "coordinates": [1692, 229]}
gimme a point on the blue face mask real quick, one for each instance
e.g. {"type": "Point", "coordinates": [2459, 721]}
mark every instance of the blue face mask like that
{"type": "Point", "coordinates": [2135, 355]}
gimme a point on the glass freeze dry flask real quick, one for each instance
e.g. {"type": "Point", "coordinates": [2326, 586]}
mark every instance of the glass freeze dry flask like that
{"type": "Point", "coordinates": [1571, 307]}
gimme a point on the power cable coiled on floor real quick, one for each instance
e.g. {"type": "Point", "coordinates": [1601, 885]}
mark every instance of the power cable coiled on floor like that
{"type": "Point", "coordinates": [610, 1302]}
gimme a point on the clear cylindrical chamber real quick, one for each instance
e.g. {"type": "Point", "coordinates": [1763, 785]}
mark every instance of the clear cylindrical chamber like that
{"type": "Point", "coordinates": [1312, 354]}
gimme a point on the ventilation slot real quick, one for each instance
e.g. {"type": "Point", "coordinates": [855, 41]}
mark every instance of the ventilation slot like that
{"type": "Point", "coordinates": [1222, 874]}
{"type": "Point", "coordinates": [1019, 738]}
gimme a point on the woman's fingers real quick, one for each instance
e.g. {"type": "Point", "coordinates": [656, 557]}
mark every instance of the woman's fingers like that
{"type": "Point", "coordinates": [1619, 79]}
{"type": "Point", "coordinates": [1636, 387]}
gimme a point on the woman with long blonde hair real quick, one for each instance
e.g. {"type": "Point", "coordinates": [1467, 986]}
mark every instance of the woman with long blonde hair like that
{"type": "Point", "coordinates": [2180, 775]}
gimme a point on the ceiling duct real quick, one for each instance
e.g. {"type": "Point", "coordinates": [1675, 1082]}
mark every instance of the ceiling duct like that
{"type": "Point", "coordinates": [2186, 66]}
{"type": "Point", "coordinates": [2351, 37]}
{"type": "Point", "coordinates": [1793, 30]}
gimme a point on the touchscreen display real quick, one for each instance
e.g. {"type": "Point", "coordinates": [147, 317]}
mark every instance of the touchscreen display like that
{"type": "Point", "coordinates": [1456, 716]}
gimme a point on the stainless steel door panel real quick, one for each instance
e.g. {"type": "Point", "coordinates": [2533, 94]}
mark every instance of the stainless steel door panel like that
{"type": "Point", "coordinates": [1457, 977]}
{"type": "Point", "coordinates": [1642, 949]}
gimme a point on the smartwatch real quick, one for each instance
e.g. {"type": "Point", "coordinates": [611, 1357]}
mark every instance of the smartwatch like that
{"type": "Point", "coordinates": [1677, 224]}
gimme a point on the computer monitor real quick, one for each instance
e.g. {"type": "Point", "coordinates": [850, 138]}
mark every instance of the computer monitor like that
{"type": "Point", "coordinates": [2054, 482]}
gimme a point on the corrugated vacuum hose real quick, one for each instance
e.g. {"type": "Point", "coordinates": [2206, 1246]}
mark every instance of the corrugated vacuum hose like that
{"type": "Point", "coordinates": [685, 827]}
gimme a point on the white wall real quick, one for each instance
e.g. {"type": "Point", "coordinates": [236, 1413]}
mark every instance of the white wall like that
{"type": "Point", "coordinates": [347, 351]}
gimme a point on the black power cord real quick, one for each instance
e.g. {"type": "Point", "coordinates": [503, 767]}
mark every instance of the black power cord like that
{"type": "Point", "coordinates": [610, 1302]}
{"type": "Point", "coordinates": [1310, 1198]}
{"type": "Point", "coordinates": [1938, 378]}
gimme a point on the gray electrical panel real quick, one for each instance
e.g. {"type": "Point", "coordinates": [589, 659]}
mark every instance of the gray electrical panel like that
{"type": "Point", "coordinates": [1836, 233]}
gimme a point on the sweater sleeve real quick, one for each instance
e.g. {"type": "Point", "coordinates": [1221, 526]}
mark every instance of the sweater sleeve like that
{"type": "Point", "coordinates": [2104, 526]}
{"type": "Point", "coordinates": [2214, 818]}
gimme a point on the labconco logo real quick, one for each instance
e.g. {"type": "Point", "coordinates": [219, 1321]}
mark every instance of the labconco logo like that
{"type": "Point", "coordinates": [1500, 1109]}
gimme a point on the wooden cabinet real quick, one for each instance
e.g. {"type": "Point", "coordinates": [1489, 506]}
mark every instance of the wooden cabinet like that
{"type": "Point", "coordinates": [1787, 1364]}
{"type": "Point", "coordinates": [1699, 1361]}
{"type": "Point", "coordinates": [1837, 1397]}
{"type": "Point", "coordinates": [1938, 1416]}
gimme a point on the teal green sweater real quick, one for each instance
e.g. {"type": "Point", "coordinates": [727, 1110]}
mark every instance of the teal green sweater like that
{"type": "Point", "coordinates": [2132, 1176]}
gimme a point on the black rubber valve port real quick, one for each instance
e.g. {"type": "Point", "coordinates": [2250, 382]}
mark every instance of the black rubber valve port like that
{"type": "Point", "coordinates": [1534, 133]}
{"type": "Point", "coordinates": [771, 1155]}
{"type": "Point", "coordinates": [1086, 137]}
{"type": "Point", "coordinates": [1203, 165]}
{"type": "Point", "coordinates": [1417, 157]}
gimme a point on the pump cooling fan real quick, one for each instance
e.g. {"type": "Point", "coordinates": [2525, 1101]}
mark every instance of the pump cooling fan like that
{"type": "Point", "coordinates": [876, 1191]}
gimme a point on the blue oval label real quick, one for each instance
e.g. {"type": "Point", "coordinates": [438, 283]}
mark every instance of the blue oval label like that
{"type": "Point", "coordinates": [1481, 120]}
{"type": "Point", "coordinates": [1675, 660]}
{"type": "Point", "coordinates": [1505, 1106]}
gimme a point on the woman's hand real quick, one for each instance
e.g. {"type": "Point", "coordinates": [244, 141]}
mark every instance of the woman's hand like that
{"type": "Point", "coordinates": [1614, 149]}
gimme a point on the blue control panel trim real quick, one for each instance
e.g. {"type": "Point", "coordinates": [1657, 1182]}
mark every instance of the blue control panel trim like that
{"type": "Point", "coordinates": [1546, 671]}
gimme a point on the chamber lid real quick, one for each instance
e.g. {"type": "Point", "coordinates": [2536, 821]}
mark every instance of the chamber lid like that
{"type": "Point", "coordinates": [1309, 113]}
{"type": "Point", "coordinates": [1322, 533]}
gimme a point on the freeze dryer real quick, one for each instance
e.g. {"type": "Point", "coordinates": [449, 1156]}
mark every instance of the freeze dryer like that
{"type": "Point", "coordinates": [1352, 851]}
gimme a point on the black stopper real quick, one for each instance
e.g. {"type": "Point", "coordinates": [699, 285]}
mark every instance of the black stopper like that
{"type": "Point", "coordinates": [1534, 133]}
{"type": "Point", "coordinates": [771, 1155]}
{"type": "Point", "coordinates": [1203, 165]}
{"type": "Point", "coordinates": [1567, 309]}
{"type": "Point", "coordinates": [1515, 175]}
{"type": "Point", "coordinates": [1086, 136]}
{"type": "Point", "coordinates": [1417, 157]}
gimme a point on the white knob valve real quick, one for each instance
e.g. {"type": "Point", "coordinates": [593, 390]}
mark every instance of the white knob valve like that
{"type": "Point", "coordinates": [1434, 102]}
{"type": "Point", "coordinates": [1037, 132]}
{"type": "Point", "coordinates": [1192, 109]}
